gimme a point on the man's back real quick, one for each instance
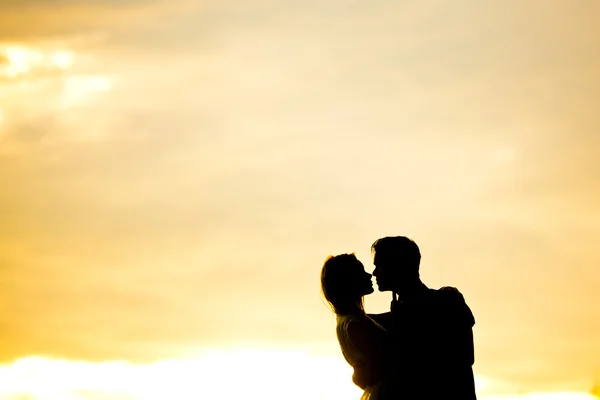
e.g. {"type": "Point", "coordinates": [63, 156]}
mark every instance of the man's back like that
{"type": "Point", "coordinates": [434, 345]}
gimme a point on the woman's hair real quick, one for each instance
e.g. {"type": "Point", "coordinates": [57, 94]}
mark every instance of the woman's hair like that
{"type": "Point", "coordinates": [335, 284]}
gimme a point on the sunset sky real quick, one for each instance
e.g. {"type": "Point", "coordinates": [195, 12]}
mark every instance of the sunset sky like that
{"type": "Point", "coordinates": [174, 173]}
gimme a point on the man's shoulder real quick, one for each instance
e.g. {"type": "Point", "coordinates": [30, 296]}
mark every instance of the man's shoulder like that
{"type": "Point", "coordinates": [452, 301]}
{"type": "Point", "coordinates": [450, 294]}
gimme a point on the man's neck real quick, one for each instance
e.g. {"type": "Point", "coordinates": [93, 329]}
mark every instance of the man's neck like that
{"type": "Point", "coordinates": [412, 292]}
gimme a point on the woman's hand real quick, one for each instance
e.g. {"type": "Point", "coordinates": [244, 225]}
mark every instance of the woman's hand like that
{"type": "Point", "coordinates": [365, 375]}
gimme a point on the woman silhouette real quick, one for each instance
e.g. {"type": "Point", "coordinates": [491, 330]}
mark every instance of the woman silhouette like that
{"type": "Point", "coordinates": [365, 344]}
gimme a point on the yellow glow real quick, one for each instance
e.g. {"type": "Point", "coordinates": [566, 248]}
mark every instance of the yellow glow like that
{"type": "Point", "coordinates": [78, 88]}
{"type": "Point", "coordinates": [63, 59]}
{"type": "Point", "coordinates": [218, 375]}
{"type": "Point", "coordinates": [20, 60]}
{"type": "Point", "coordinates": [544, 396]}
{"type": "Point", "coordinates": [23, 60]}
{"type": "Point", "coordinates": [261, 374]}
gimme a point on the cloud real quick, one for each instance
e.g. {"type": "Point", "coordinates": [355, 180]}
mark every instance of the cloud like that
{"type": "Point", "coordinates": [42, 96]}
{"type": "Point", "coordinates": [78, 17]}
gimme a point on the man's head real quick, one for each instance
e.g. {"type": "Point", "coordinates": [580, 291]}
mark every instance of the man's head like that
{"type": "Point", "coordinates": [396, 260]}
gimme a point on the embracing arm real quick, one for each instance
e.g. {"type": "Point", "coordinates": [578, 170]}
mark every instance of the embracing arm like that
{"type": "Point", "coordinates": [459, 347]}
{"type": "Point", "coordinates": [366, 375]}
{"type": "Point", "coordinates": [374, 342]}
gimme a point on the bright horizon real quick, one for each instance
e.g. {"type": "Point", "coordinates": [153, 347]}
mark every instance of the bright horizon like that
{"type": "Point", "coordinates": [257, 373]}
{"type": "Point", "coordinates": [173, 175]}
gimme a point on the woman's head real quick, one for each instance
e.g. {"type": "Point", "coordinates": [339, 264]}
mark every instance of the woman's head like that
{"type": "Point", "coordinates": [344, 282]}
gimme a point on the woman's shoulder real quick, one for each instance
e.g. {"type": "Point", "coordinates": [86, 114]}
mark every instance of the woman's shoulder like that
{"type": "Point", "coordinates": [345, 321]}
{"type": "Point", "coordinates": [349, 318]}
{"type": "Point", "coordinates": [350, 322]}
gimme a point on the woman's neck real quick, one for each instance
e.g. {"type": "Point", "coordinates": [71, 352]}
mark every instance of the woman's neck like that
{"type": "Point", "coordinates": [351, 309]}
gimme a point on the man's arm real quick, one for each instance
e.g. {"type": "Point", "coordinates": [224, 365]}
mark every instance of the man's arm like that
{"type": "Point", "coordinates": [458, 328]}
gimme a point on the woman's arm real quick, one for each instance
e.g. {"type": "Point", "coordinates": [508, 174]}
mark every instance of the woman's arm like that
{"type": "Point", "coordinates": [367, 374]}
{"type": "Point", "coordinates": [374, 343]}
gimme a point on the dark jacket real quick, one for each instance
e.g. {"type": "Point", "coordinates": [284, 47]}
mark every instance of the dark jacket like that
{"type": "Point", "coordinates": [433, 350]}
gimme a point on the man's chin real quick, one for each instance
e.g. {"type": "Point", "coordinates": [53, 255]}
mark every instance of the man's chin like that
{"type": "Point", "coordinates": [383, 288]}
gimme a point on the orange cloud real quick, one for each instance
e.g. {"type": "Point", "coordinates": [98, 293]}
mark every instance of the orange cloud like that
{"type": "Point", "coordinates": [30, 21]}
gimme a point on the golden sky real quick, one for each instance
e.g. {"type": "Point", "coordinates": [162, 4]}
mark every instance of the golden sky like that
{"type": "Point", "coordinates": [174, 173]}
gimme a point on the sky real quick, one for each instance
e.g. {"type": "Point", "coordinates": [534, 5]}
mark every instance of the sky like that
{"type": "Point", "coordinates": [174, 173]}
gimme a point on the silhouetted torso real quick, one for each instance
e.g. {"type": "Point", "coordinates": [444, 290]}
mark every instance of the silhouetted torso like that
{"type": "Point", "coordinates": [433, 346]}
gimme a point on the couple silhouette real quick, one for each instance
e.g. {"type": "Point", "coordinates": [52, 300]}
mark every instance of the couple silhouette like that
{"type": "Point", "coordinates": [422, 348]}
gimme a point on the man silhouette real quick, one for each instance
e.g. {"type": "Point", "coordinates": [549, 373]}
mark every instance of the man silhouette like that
{"type": "Point", "coordinates": [432, 329]}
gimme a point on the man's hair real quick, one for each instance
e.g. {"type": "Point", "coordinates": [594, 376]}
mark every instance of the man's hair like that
{"type": "Point", "coordinates": [398, 247]}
